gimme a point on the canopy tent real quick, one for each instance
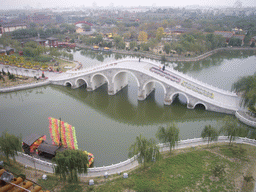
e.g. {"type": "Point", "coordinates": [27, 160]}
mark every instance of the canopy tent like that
{"type": "Point", "coordinates": [49, 150]}
{"type": "Point", "coordinates": [31, 142]}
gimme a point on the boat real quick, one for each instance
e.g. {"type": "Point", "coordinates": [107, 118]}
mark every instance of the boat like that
{"type": "Point", "coordinates": [63, 137]}
{"type": "Point", "coordinates": [64, 134]}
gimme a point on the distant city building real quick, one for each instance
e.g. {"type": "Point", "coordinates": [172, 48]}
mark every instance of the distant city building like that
{"type": "Point", "coordinates": [52, 42]}
{"type": "Point", "coordinates": [40, 18]}
{"type": "Point", "coordinates": [7, 28]}
{"type": "Point", "coordinates": [226, 34]}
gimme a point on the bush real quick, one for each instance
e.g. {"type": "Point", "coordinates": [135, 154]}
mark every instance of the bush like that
{"type": "Point", "coordinates": [218, 170]}
{"type": "Point", "coordinates": [43, 59]}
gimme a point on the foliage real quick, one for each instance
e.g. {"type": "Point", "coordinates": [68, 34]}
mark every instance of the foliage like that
{"type": "Point", "coordinates": [119, 42]}
{"type": "Point", "coordinates": [210, 133]}
{"type": "Point", "coordinates": [133, 44]}
{"type": "Point", "coordinates": [248, 178]}
{"type": "Point", "coordinates": [235, 42]}
{"type": "Point", "coordinates": [159, 33]}
{"type": "Point", "coordinates": [70, 162]}
{"type": "Point", "coordinates": [1, 77]}
{"type": "Point", "coordinates": [247, 87]}
{"type": "Point", "coordinates": [169, 135]}
{"type": "Point", "coordinates": [72, 188]}
{"type": "Point", "coordinates": [252, 44]}
{"type": "Point", "coordinates": [42, 58]}
{"type": "Point", "coordinates": [167, 48]}
{"type": "Point", "coordinates": [144, 46]}
{"type": "Point", "coordinates": [50, 183]}
{"type": "Point", "coordinates": [147, 150]}
{"type": "Point", "coordinates": [143, 36]}
{"type": "Point", "coordinates": [232, 128]}
{"type": "Point", "coordinates": [10, 145]}
{"type": "Point", "coordinates": [189, 171]}
{"type": "Point", "coordinates": [218, 170]}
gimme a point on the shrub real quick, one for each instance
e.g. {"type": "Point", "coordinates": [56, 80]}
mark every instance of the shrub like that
{"type": "Point", "coordinates": [218, 170]}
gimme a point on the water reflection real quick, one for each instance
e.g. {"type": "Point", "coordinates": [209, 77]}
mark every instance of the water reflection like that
{"type": "Point", "coordinates": [107, 125]}
{"type": "Point", "coordinates": [119, 107]}
{"type": "Point", "coordinates": [214, 60]}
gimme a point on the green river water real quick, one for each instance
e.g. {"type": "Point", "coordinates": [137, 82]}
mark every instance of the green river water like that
{"type": "Point", "coordinates": [107, 125]}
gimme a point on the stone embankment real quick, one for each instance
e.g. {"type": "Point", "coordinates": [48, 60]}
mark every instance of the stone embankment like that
{"type": "Point", "coordinates": [125, 165]}
{"type": "Point", "coordinates": [24, 86]}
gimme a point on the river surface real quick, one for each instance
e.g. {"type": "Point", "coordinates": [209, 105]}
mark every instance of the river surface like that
{"type": "Point", "coordinates": [107, 125]}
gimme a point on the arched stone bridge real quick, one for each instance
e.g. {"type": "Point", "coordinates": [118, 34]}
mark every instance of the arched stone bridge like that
{"type": "Point", "coordinates": [147, 73]}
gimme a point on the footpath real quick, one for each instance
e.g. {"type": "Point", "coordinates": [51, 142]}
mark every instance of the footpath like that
{"type": "Point", "coordinates": [127, 165]}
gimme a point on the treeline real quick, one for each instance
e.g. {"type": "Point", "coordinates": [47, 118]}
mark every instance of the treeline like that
{"type": "Point", "coordinates": [44, 33]}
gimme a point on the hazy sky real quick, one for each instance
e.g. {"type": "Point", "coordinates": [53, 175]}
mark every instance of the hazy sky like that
{"type": "Point", "coordinates": [13, 4]}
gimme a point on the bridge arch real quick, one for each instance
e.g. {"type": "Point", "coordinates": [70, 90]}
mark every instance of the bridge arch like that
{"type": "Point", "coordinates": [68, 83]}
{"type": "Point", "coordinates": [149, 86]}
{"type": "Point", "coordinates": [97, 80]}
{"type": "Point", "coordinates": [80, 82]}
{"type": "Point", "coordinates": [200, 105]}
{"type": "Point", "coordinates": [179, 93]}
{"type": "Point", "coordinates": [126, 71]}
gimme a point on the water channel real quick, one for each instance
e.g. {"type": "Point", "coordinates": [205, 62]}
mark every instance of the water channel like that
{"type": "Point", "coordinates": [107, 125]}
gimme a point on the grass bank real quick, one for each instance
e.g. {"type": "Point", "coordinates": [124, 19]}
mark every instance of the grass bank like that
{"type": "Point", "coordinates": [190, 169]}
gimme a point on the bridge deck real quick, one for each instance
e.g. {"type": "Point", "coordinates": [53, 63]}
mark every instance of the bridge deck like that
{"type": "Point", "coordinates": [171, 77]}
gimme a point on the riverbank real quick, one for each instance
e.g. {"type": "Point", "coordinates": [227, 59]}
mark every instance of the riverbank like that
{"type": "Point", "coordinates": [192, 161]}
{"type": "Point", "coordinates": [171, 58]}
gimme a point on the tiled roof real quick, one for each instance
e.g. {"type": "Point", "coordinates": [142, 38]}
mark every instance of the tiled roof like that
{"type": "Point", "coordinates": [29, 140]}
{"type": "Point", "coordinates": [226, 34]}
{"type": "Point", "coordinates": [239, 36]}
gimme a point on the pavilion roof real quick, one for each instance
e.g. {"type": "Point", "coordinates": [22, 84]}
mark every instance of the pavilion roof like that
{"type": "Point", "coordinates": [29, 140]}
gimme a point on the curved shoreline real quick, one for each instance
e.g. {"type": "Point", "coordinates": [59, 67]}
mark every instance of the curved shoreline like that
{"type": "Point", "coordinates": [129, 163]}
{"type": "Point", "coordinates": [175, 59]}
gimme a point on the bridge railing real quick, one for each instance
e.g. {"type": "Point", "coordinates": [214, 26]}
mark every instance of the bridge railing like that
{"type": "Point", "coordinates": [163, 147]}
{"type": "Point", "coordinates": [74, 74]}
{"type": "Point", "coordinates": [208, 86]}
{"type": "Point", "coordinates": [153, 62]}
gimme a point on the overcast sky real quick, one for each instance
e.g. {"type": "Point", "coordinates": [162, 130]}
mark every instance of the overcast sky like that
{"type": "Point", "coordinates": [14, 4]}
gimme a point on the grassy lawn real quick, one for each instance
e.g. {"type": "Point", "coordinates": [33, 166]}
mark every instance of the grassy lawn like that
{"type": "Point", "coordinates": [189, 169]}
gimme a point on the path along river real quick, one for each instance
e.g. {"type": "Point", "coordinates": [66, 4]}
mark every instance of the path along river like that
{"type": "Point", "coordinates": [107, 125]}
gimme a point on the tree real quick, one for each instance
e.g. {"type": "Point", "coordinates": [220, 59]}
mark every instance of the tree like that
{"type": "Point", "coordinates": [10, 145]}
{"type": "Point", "coordinates": [119, 42]}
{"type": "Point", "coordinates": [127, 35]}
{"type": "Point", "coordinates": [235, 42]}
{"type": "Point", "coordinates": [169, 135]}
{"type": "Point", "coordinates": [210, 133]}
{"type": "Point", "coordinates": [133, 44]}
{"type": "Point", "coordinates": [167, 48]}
{"type": "Point", "coordinates": [247, 87]}
{"type": "Point", "coordinates": [71, 163]}
{"type": "Point", "coordinates": [159, 33]}
{"type": "Point", "coordinates": [232, 128]}
{"type": "Point", "coordinates": [252, 44]}
{"type": "Point", "coordinates": [147, 150]}
{"type": "Point", "coordinates": [143, 36]}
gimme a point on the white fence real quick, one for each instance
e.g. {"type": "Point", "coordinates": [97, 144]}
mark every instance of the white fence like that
{"type": "Point", "coordinates": [245, 120]}
{"type": "Point", "coordinates": [128, 164]}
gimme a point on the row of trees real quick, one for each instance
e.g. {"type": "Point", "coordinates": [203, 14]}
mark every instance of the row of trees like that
{"type": "Point", "coordinates": [147, 150]}
{"type": "Point", "coordinates": [44, 33]}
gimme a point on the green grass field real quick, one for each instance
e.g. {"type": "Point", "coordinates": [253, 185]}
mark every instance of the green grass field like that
{"type": "Point", "coordinates": [190, 169]}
